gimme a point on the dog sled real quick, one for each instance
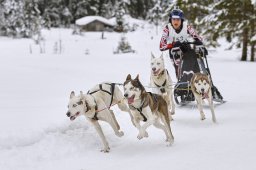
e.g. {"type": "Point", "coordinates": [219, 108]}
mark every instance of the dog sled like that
{"type": "Point", "coordinates": [188, 63]}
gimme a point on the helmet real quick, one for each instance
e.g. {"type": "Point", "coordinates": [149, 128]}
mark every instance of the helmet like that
{"type": "Point", "coordinates": [177, 13]}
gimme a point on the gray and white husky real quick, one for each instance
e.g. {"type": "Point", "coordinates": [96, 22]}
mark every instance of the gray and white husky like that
{"type": "Point", "coordinates": [161, 82]}
{"type": "Point", "coordinates": [147, 107]}
{"type": "Point", "coordinates": [201, 88]}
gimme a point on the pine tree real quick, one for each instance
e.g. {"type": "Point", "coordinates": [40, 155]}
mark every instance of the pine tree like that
{"type": "Point", "coordinates": [154, 15]}
{"type": "Point", "coordinates": [13, 24]}
{"type": "Point", "coordinates": [66, 17]}
{"type": "Point", "coordinates": [51, 13]}
{"type": "Point", "coordinates": [231, 19]}
{"type": "Point", "coordinates": [194, 11]}
{"type": "Point", "coordinates": [253, 32]}
{"type": "Point", "coordinates": [2, 19]}
{"type": "Point", "coordinates": [119, 13]}
{"type": "Point", "coordinates": [32, 19]}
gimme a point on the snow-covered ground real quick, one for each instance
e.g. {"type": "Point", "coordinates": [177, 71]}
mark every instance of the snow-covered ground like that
{"type": "Point", "coordinates": [34, 90]}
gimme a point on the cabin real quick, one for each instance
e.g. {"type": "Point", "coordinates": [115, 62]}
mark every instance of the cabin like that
{"type": "Point", "coordinates": [94, 23]}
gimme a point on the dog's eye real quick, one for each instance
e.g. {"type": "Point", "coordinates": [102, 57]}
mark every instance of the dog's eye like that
{"type": "Point", "coordinates": [131, 88]}
{"type": "Point", "coordinates": [80, 102]}
{"type": "Point", "coordinates": [152, 64]}
{"type": "Point", "coordinates": [204, 83]}
{"type": "Point", "coordinates": [74, 105]}
{"type": "Point", "coordinates": [67, 106]}
{"type": "Point", "coordinates": [199, 84]}
{"type": "Point", "coordinates": [158, 63]}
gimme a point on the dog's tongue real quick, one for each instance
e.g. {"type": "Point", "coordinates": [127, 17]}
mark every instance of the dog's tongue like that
{"type": "Point", "coordinates": [205, 96]}
{"type": "Point", "coordinates": [156, 72]}
{"type": "Point", "coordinates": [72, 118]}
{"type": "Point", "coordinates": [130, 100]}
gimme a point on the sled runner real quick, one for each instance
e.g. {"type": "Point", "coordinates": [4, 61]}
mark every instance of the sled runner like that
{"type": "Point", "coordinates": [188, 63]}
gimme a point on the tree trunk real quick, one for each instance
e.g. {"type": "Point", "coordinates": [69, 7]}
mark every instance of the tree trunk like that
{"type": "Point", "coordinates": [252, 52]}
{"type": "Point", "coordinates": [245, 43]}
{"type": "Point", "coordinates": [253, 42]}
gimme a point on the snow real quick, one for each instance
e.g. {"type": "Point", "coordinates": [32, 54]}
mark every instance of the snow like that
{"type": "Point", "coordinates": [88, 19]}
{"type": "Point", "coordinates": [36, 134]}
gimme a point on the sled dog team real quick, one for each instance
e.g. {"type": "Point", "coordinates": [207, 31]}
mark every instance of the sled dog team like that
{"type": "Point", "coordinates": [154, 108]}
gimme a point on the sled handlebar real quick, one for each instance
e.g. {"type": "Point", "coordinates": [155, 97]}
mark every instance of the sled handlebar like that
{"type": "Point", "coordinates": [177, 49]}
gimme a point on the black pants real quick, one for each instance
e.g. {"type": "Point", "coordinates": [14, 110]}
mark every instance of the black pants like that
{"type": "Point", "coordinates": [189, 65]}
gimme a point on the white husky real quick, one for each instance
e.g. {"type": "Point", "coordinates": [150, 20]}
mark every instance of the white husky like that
{"type": "Point", "coordinates": [95, 105]}
{"type": "Point", "coordinates": [162, 82]}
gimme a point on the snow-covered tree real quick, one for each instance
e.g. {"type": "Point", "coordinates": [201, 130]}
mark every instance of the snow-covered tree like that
{"type": "Point", "coordinates": [66, 17]}
{"type": "Point", "coordinates": [108, 9]}
{"type": "Point", "coordinates": [119, 13]}
{"type": "Point", "coordinates": [2, 19]}
{"type": "Point", "coordinates": [155, 14]}
{"type": "Point", "coordinates": [32, 19]}
{"type": "Point", "coordinates": [194, 11]}
{"type": "Point", "coordinates": [124, 46]}
{"type": "Point", "coordinates": [231, 19]}
{"type": "Point", "coordinates": [13, 23]}
{"type": "Point", "coordinates": [139, 8]}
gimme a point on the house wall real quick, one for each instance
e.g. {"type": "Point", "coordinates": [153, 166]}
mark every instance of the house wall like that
{"type": "Point", "coordinates": [94, 26]}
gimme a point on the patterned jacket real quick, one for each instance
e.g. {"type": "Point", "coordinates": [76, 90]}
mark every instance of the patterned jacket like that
{"type": "Point", "coordinates": [170, 36]}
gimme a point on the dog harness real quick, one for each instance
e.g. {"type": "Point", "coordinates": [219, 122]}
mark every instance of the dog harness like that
{"type": "Point", "coordinates": [111, 93]}
{"type": "Point", "coordinates": [96, 113]}
{"type": "Point", "coordinates": [86, 104]}
{"type": "Point", "coordinates": [162, 87]}
{"type": "Point", "coordinates": [139, 110]}
{"type": "Point", "coordinates": [154, 96]}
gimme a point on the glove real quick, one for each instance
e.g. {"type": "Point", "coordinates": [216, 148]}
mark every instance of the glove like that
{"type": "Point", "coordinates": [177, 44]}
{"type": "Point", "coordinates": [198, 42]}
{"type": "Point", "coordinates": [185, 47]}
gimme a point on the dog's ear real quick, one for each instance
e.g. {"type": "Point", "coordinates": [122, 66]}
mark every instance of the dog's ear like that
{"type": "Point", "coordinates": [128, 77]}
{"type": "Point", "coordinates": [137, 77]}
{"type": "Point", "coordinates": [152, 56]}
{"type": "Point", "coordinates": [208, 79]}
{"type": "Point", "coordinates": [81, 95]}
{"type": "Point", "coordinates": [162, 57]}
{"type": "Point", "coordinates": [72, 94]}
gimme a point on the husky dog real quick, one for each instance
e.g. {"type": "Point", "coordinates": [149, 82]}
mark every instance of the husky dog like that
{"type": "Point", "coordinates": [201, 88]}
{"type": "Point", "coordinates": [162, 82]}
{"type": "Point", "coordinates": [95, 105]}
{"type": "Point", "coordinates": [148, 107]}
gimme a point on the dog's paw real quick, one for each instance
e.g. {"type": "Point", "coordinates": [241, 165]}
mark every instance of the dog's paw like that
{"type": "Point", "coordinates": [120, 133]}
{"type": "Point", "coordinates": [105, 150]}
{"type": "Point", "coordinates": [170, 141]}
{"type": "Point", "coordinates": [202, 118]}
{"type": "Point", "coordinates": [139, 136]}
